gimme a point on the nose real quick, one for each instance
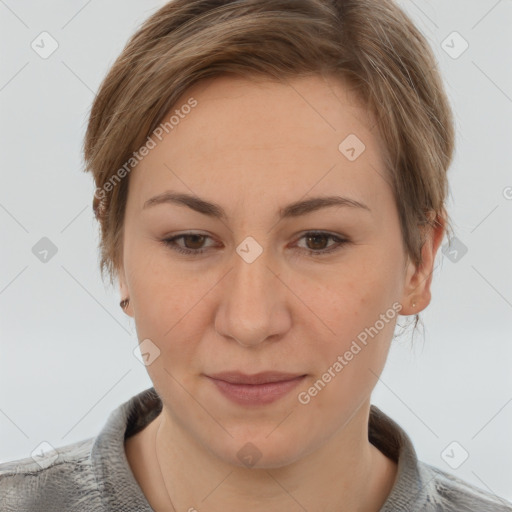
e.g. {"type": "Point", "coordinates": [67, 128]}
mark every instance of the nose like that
{"type": "Point", "coordinates": [252, 305]}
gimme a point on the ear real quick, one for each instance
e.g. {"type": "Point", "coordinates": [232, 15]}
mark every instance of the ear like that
{"type": "Point", "coordinates": [418, 279]}
{"type": "Point", "coordinates": [124, 291]}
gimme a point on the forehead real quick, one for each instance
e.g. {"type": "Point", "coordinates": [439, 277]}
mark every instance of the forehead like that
{"type": "Point", "coordinates": [312, 111]}
{"type": "Point", "coordinates": [265, 137]}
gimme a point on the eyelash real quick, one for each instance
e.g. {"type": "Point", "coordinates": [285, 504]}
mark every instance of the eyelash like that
{"type": "Point", "coordinates": [170, 242]}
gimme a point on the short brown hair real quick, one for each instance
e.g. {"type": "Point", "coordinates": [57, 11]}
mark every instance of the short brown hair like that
{"type": "Point", "coordinates": [371, 43]}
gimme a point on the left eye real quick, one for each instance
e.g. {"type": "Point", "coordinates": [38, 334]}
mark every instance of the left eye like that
{"type": "Point", "coordinates": [316, 236]}
{"type": "Point", "coordinates": [197, 240]}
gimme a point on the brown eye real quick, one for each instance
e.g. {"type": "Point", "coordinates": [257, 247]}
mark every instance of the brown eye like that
{"type": "Point", "coordinates": [193, 243]}
{"type": "Point", "coordinates": [317, 243]}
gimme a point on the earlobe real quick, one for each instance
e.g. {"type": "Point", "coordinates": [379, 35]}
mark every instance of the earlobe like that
{"type": "Point", "coordinates": [124, 293]}
{"type": "Point", "coordinates": [410, 297]}
{"type": "Point", "coordinates": [418, 278]}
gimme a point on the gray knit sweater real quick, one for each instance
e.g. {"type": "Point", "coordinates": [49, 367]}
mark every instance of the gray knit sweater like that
{"type": "Point", "coordinates": [94, 474]}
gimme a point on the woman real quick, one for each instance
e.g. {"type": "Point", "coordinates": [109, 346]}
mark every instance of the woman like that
{"type": "Point", "coordinates": [271, 184]}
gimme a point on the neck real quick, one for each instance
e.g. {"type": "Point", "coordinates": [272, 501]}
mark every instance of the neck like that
{"type": "Point", "coordinates": [345, 474]}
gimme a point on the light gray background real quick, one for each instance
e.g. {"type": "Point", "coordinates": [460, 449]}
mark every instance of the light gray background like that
{"type": "Point", "coordinates": [66, 356]}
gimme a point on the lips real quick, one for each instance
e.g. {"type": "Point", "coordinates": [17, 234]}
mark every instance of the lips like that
{"type": "Point", "coordinates": [257, 389]}
{"type": "Point", "coordinates": [257, 378]}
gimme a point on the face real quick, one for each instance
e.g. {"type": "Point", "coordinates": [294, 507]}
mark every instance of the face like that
{"type": "Point", "coordinates": [266, 284]}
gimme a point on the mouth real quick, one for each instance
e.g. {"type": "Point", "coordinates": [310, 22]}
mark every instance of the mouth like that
{"type": "Point", "coordinates": [257, 389]}
{"type": "Point", "coordinates": [257, 378]}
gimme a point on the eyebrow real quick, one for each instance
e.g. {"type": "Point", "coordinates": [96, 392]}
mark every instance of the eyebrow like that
{"type": "Point", "coordinates": [213, 210]}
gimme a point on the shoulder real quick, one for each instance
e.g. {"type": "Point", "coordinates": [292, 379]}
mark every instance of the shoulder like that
{"type": "Point", "coordinates": [60, 479]}
{"type": "Point", "coordinates": [422, 487]}
{"type": "Point", "coordinates": [448, 493]}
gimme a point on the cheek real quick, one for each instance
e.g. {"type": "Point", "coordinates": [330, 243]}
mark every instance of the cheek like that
{"type": "Point", "coordinates": [166, 301]}
{"type": "Point", "coordinates": [342, 302]}
{"type": "Point", "coordinates": [355, 320]}
{"type": "Point", "coordinates": [347, 370]}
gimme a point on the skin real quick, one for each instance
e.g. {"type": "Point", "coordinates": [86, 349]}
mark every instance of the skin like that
{"type": "Point", "coordinates": [254, 146]}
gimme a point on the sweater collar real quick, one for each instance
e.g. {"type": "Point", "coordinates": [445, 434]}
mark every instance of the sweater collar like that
{"type": "Point", "coordinates": [120, 489]}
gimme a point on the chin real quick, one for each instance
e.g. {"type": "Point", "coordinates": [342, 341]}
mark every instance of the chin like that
{"type": "Point", "coordinates": [260, 452]}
